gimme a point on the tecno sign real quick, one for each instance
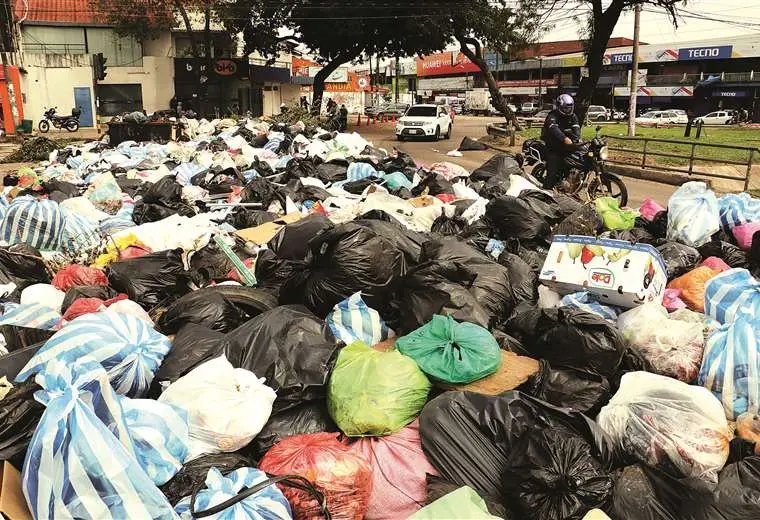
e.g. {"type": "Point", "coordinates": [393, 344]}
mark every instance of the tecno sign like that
{"type": "Point", "coordinates": [706, 53]}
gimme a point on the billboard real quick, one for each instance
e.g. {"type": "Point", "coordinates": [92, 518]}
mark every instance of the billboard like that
{"type": "Point", "coordinates": [338, 76]}
{"type": "Point", "coordinates": [718, 52]}
{"type": "Point", "coordinates": [656, 91]}
{"type": "Point", "coordinates": [443, 63]}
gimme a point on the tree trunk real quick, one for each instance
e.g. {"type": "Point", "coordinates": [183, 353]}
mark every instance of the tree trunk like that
{"type": "Point", "coordinates": [322, 75]}
{"type": "Point", "coordinates": [603, 26]}
{"type": "Point", "coordinates": [497, 100]}
{"type": "Point", "coordinates": [188, 27]}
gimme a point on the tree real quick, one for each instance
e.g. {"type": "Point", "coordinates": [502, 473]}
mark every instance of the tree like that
{"type": "Point", "coordinates": [601, 22]}
{"type": "Point", "coordinates": [503, 26]}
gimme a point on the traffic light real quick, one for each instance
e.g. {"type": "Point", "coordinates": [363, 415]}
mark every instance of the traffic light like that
{"type": "Point", "coordinates": [99, 66]}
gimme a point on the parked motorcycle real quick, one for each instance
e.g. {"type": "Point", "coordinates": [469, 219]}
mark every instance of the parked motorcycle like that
{"type": "Point", "coordinates": [70, 123]}
{"type": "Point", "coordinates": [584, 176]}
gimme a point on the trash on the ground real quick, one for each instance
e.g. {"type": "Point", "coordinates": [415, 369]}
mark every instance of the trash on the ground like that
{"type": "Point", "coordinates": [382, 338]}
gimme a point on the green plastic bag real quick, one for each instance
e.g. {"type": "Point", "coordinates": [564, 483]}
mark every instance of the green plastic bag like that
{"type": "Point", "coordinates": [452, 352]}
{"type": "Point", "coordinates": [614, 217]}
{"type": "Point", "coordinates": [462, 504]}
{"type": "Point", "coordinates": [373, 392]}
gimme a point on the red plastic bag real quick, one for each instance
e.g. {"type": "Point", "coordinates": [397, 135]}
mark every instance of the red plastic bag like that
{"type": "Point", "coordinates": [134, 251]}
{"type": "Point", "coordinates": [82, 306]}
{"type": "Point", "coordinates": [716, 264]}
{"type": "Point", "coordinates": [76, 274]}
{"type": "Point", "coordinates": [399, 483]}
{"type": "Point", "coordinates": [342, 474]}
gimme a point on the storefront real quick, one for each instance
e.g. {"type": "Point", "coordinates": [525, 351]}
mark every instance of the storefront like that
{"type": "Point", "coordinates": [228, 85]}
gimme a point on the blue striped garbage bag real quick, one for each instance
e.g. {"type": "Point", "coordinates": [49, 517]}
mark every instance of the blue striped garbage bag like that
{"type": "Point", "coordinates": [30, 315]}
{"type": "Point", "coordinates": [737, 209]}
{"type": "Point", "coordinates": [80, 463]}
{"type": "Point", "coordinates": [693, 214]}
{"type": "Point", "coordinates": [589, 303]}
{"type": "Point", "coordinates": [731, 366]}
{"type": "Point", "coordinates": [128, 348]}
{"type": "Point", "coordinates": [79, 235]}
{"type": "Point", "coordinates": [160, 434]}
{"type": "Point", "coordinates": [39, 223]}
{"type": "Point", "coordinates": [352, 320]}
{"type": "Point", "coordinates": [268, 504]}
{"type": "Point", "coordinates": [731, 293]}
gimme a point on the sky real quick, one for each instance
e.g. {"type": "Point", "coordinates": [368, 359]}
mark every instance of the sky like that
{"type": "Point", "coordinates": [657, 28]}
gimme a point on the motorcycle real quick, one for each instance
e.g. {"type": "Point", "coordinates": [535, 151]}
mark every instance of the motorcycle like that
{"type": "Point", "coordinates": [584, 175]}
{"type": "Point", "coordinates": [70, 123]}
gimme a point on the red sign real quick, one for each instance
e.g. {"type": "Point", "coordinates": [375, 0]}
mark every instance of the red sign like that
{"type": "Point", "coordinates": [225, 67]}
{"type": "Point", "coordinates": [546, 82]}
{"type": "Point", "coordinates": [443, 63]}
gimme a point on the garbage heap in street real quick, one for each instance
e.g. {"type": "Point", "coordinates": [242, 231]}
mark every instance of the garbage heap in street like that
{"type": "Point", "coordinates": [270, 321]}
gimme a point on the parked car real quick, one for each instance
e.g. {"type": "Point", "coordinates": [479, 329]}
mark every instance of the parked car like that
{"type": "Point", "coordinates": [538, 118]}
{"type": "Point", "coordinates": [529, 107]}
{"type": "Point", "coordinates": [387, 110]}
{"type": "Point", "coordinates": [598, 113]}
{"type": "Point", "coordinates": [721, 117]}
{"type": "Point", "coordinates": [495, 112]}
{"type": "Point", "coordinates": [618, 115]}
{"type": "Point", "coordinates": [664, 117]}
{"type": "Point", "coordinates": [425, 121]}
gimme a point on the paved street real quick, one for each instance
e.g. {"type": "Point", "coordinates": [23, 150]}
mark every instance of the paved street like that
{"type": "Point", "coordinates": [382, 135]}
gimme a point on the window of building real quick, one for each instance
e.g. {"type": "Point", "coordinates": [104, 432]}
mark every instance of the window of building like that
{"type": "Point", "coordinates": [117, 99]}
{"type": "Point", "coordinates": [120, 51]}
{"type": "Point", "coordinates": [39, 39]}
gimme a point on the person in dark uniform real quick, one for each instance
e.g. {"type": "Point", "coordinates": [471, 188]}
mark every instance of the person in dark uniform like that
{"type": "Point", "coordinates": [561, 130]}
{"type": "Point", "coordinates": [343, 113]}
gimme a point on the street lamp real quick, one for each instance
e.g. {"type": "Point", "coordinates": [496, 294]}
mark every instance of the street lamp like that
{"type": "Point", "coordinates": [540, 82]}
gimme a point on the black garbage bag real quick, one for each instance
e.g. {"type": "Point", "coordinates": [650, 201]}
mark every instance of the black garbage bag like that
{"type": "Point", "coordinates": [522, 278]}
{"type": "Point", "coordinates": [500, 164]}
{"type": "Point", "coordinates": [19, 415]}
{"type": "Point", "coordinates": [440, 288]}
{"type": "Point", "coordinates": [309, 192]}
{"type": "Point", "coordinates": [150, 279]}
{"type": "Point", "coordinates": [575, 338]}
{"type": "Point", "coordinates": [358, 187]}
{"type": "Point", "coordinates": [246, 218]}
{"type": "Point", "coordinates": [206, 307]}
{"type": "Point", "coordinates": [567, 387]}
{"type": "Point", "coordinates": [259, 190]}
{"type": "Point", "coordinates": [12, 363]}
{"type": "Point", "coordinates": [438, 487]}
{"type": "Point", "coordinates": [469, 144]}
{"type": "Point", "coordinates": [407, 241]}
{"type": "Point", "coordinates": [468, 437]}
{"type": "Point", "coordinates": [292, 241]}
{"type": "Point", "coordinates": [433, 184]}
{"type": "Point", "coordinates": [66, 189]}
{"type": "Point", "coordinates": [165, 191]}
{"type": "Point", "coordinates": [543, 205]}
{"type": "Point", "coordinates": [293, 349]}
{"type": "Point", "coordinates": [753, 257]}
{"type": "Point", "coordinates": [22, 265]}
{"type": "Point", "coordinates": [733, 255]}
{"type": "Point", "coordinates": [193, 474]}
{"type": "Point", "coordinates": [331, 171]}
{"type": "Point", "coordinates": [145, 212]}
{"type": "Point", "coordinates": [550, 474]}
{"type": "Point", "coordinates": [297, 168]}
{"type": "Point", "coordinates": [18, 338]}
{"type": "Point", "coordinates": [636, 235]}
{"type": "Point", "coordinates": [495, 186]}
{"type": "Point", "coordinates": [346, 259]}
{"type": "Point", "coordinates": [309, 417]}
{"type": "Point", "coordinates": [272, 272]}
{"type": "Point", "coordinates": [567, 204]}
{"type": "Point", "coordinates": [101, 292]}
{"type": "Point", "coordinates": [491, 288]}
{"type": "Point", "coordinates": [584, 221]}
{"type": "Point", "coordinates": [460, 206]}
{"type": "Point", "coordinates": [448, 225]}
{"type": "Point", "coordinates": [398, 162]}
{"type": "Point", "coordinates": [193, 345]}
{"type": "Point", "coordinates": [658, 226]}
{"type": "Point", "coordinates": [679, 258]}
{"type": "Point", "coordinates": [479, 234]}
{"type": "Point", "coordinates": [514, 218]}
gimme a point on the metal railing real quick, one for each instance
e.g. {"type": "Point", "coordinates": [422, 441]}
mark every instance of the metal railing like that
{"type": "Point", "coordinates": [55, 48]}
{"type": "Point", "coordinates": [692, 157]}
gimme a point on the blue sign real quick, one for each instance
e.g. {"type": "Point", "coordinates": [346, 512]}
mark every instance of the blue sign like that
{"type": "Point", "coordinates": [719, 52]}
{"type": "Point", "coordinates": [730, 93]}
{"type": "Point", "coordinates": [492, 60]}
{"type": "Point", "coordinates": [617, 59]}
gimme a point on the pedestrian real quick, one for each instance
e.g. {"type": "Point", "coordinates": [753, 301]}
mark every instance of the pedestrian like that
{"type": "Point", "coordinates": [304, 103]}
{"type": "Point", "coordinates": [343, 118]}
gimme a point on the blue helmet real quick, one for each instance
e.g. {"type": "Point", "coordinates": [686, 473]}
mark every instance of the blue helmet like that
{"type": "Point", "coordinates": [565, 104]}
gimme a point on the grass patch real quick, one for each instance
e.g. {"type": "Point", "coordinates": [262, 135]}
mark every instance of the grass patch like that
{"type": "Point", "coordinates": [730, 136]}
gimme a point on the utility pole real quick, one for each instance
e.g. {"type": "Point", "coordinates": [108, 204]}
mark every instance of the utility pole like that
{"type": "Point", "coordinates": [8, 45]}
{"type": "Point", "coordinates": [634, 73]}
{"type": "Point", "coordinates": [398, 76]}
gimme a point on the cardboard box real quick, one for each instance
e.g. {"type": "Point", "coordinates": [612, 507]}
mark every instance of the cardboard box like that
{"type": "Point", "coordinates": [262, 234]}
{"type": "Point", "coordinates": [620, 273]}
{"type": "Point", "coordinates": [514, 371]}
{"type": "Point", "coordinates": [12, 502]}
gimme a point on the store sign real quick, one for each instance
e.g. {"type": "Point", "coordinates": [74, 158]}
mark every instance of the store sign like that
{"type": "Point", "coordinates": [525, 91]}
{"type": "Point", "coordinates": [408, 68]}
{"type": "Point", "coordinates": [443, 63]}
{"type": "Point", "coordinates": [656, 91]}
{"type": "Point", "coordinates": [460, 83]}
{"type": "Point", "coordinates": [719, 52]}
{"type": "Point", "coordinates": [620, 59]}
{"type": "Point", "coordinates": [547, 82]}
{"type": "Point", "coordinates": [224, 67]}
{"type": "Point", "coordinates": [338, 76]}
{"type": "Point", "coordinates": [730, 93]}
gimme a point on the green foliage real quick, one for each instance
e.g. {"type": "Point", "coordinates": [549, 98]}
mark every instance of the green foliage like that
{"type": "Point", "coordinates": [141, 19]}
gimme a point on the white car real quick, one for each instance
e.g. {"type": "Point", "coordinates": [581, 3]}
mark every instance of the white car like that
{"type": "Point", "coordinates": [425, 121]}
{"type": "Point", "coordinates": [721, 117]}
{"type": "Point", "coordinates": [664, 117]}
{"type": "Point", "coordinates": [598, 113]}
{"type": "Point", "coordinates": [529, 107]}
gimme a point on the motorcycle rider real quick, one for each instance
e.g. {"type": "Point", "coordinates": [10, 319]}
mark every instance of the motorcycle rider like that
{"type": "Point", "coordinates": [561, 130]}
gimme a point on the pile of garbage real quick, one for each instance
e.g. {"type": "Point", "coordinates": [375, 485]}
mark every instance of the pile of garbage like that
{"type": "Point", "coordinates": [276, 321]}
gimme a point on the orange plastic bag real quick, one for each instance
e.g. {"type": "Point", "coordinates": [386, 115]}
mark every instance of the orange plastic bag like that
{"type": "Point", "coordinates": [342, 474]}
{"type": "Point", "coordinates": [692, 286]}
